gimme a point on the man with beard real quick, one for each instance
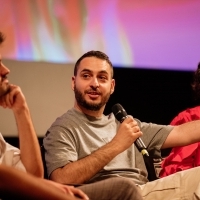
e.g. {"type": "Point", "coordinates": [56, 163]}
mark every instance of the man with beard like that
{"type": "Point", "coordinates": [85, 146]}
{"type": "Point", "coordinates": [14, 162]}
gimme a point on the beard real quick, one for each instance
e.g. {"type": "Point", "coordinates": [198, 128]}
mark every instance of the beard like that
{"type": "Point", "coordinates": [87, 105]}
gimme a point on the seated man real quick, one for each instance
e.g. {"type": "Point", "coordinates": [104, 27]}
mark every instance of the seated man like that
{"type": "Point", "coordinates": [186, 157]}
{"type": "Point", "coordinates": [85, 146]}
{"type": "Point", "coordinates": [16, 184]}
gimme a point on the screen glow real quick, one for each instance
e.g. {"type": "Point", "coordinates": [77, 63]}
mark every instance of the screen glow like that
{"type": "Point", "coordinates": [148, 34]}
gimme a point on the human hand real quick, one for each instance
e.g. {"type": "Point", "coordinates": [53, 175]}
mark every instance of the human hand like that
{"type": "Point", "coordinates": [71, 190]}
{"type": "Point", "coordinates": [13, 99]}
{"type": "Point", "coordinates": [127, 133]}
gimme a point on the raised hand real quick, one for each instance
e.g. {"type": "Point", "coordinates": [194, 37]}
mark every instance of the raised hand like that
{"type": "Point", "coordinates": [13, 99]}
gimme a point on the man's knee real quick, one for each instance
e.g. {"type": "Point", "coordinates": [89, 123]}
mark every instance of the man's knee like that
{"type": "Point", "coordinates": [113, 188]}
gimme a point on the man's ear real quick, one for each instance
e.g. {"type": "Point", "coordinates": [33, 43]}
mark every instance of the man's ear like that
{"type": "Point", "coordinates": [73, 82]}
{"type": "Point", "coordinates": [112, 86]}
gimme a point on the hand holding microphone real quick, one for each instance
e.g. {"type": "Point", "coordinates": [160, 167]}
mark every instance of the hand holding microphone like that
{"type": "Point", "coordinates": [121, 115]}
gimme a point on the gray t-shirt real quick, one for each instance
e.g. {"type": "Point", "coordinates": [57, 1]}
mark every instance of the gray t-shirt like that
{"type": "Point", "coordinates": [75, 135]}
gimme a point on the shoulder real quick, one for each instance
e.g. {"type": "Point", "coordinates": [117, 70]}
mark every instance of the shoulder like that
{"type": "Point", "coordinates": [152, 128]}
{"type": "Point", "coordinates": [67, 118]}
{"type": "Point", "coordinates": [144, 125]}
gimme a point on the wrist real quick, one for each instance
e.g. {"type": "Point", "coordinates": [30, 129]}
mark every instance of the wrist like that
{"type": "Point", "coordinates": [116, 146]}
{"type": "Point", "coordinates": [22, 109]}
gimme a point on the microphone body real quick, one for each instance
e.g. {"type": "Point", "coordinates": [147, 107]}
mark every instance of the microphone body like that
{"type": "Point", "coordinates": [121, 115]}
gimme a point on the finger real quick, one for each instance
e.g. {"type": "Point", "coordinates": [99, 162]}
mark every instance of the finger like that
{"type": "Point", "coordinates": [138, 134]}
{"type": "Point", "coordinates": [129, 119]}
{"type": "Point", "coordinates": [66, 188]}
{"type": "Point", "coordinates": [79, 193]}
{"type": "Point", "coordinates": [3, 102]}
{"type": "Point", "coordinates": [69, 186]}
{"type": "Point", "coordinates": [12, 94]}
{"type": "Point", "coordinates": [135, 129]}
{"type": "Point", "coordinates": [70, 193]}
{"type": "Point", "coordinates": [8, 100]}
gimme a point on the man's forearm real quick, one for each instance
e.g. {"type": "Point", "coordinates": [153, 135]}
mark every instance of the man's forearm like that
{"type": "Point", "coordinates": [29, 145]}
{"type": "Point", "coordinates": [183, 134]}
{"type": "Point", "coordinates": [80, 171]}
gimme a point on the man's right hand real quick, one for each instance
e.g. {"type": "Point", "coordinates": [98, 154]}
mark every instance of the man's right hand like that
{"type": "Point", "coordinates": [127, 133]}
{"type": "Point", "coordinates": [13, 99]}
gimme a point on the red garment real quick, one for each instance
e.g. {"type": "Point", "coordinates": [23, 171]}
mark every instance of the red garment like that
{"type": "Point", "coordinates": [186, 157]}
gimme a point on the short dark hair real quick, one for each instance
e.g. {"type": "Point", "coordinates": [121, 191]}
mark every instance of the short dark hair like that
{"type": "Point", "coordinates": [2, 37]}
{"type": "Point", "coordinates": [97, 54]}
{"type": "Point", "coordinates": [196, 83]}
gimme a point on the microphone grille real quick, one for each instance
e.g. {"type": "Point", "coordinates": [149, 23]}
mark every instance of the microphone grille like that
{"type": "Point", "coordinates": [119, 112]}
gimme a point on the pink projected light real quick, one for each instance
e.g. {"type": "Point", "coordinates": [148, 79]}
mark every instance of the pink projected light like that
{"type": "Point", "coordinates": [142, 34]}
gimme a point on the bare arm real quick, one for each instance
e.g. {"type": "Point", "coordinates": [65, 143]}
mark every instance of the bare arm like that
{"type": "Point", "coordinates": [19, 185]}
{"type": "Point", "coordinates": [29, 145]}
{"type": "Point", "coordinates": [183, 134]}
{"type": "Point", "coordinates": [82, 170]}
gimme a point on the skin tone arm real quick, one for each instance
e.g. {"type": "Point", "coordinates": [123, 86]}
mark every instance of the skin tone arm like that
{"type": "Point", "coordinates": [32, 187]}
{"type": "Point", "coordinates": [183, 134]}
{"type": "Point", "coordinates": [29, 145]}
{"type": "Point", "coordinates": [82, 170]}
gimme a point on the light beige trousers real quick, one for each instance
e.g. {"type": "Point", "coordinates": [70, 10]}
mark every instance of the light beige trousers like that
{"type": "Point", "coordinates": [184, 185]}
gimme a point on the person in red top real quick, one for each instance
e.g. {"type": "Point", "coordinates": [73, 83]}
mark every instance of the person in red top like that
{"type": "Point", "coordinates": [186, 157]}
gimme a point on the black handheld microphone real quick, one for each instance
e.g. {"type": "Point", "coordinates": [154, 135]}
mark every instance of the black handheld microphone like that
{"type": "Point", "coordinates": [120, 115]}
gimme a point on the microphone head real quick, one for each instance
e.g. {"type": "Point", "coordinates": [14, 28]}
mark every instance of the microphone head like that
{"type": "Point", "coordinates": [119, 112]}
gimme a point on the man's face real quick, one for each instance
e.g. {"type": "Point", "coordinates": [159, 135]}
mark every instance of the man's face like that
{"type": "Point", "coordinates": [93, 84]}
{"type": "Point", "coordinates": [4, 83]}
